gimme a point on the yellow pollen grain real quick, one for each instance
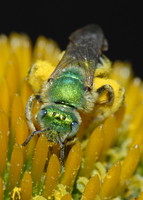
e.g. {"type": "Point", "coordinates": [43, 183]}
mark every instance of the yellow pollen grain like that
{"type": "Point", "coordinates": [92, 151]}
{"type": "Point", "coordinates": [4, 125]}
{"type": "Point", "coordinates": [39, 73]}
{"type": "Point", "coordinates": [5, 97]}
{"type": "Point", "coordinates": [71, 167]}
{"type": "Point", "coordinates": [3, 154]}
{"type": "Point", "coordinates": [26, 186]}
{"type": "Point", "coordinates": [110, 181]}
{"type": "Point", "coordinates": [21, 134]}
{"type": "Point", "coordinates": [1, 188]}
{"type": "Point", "coordinates": [91, 188]}
{"type": "Point", "coordinates": [12, 76]}
{"type": "Point", "coordinates": [67, 197]}
{"type": "Point", "coordinates": [129, 164]}
{"type": "Point", "coordinates": [26, 92]}
{"type": "Point", "coordinates": [15, 168]}
{"type": "Point", "coordinates": [52, 176]}
{"type": "Point", "coordinates": [119, 93]}
{"type": "Point", "coordinates": [39, 159]}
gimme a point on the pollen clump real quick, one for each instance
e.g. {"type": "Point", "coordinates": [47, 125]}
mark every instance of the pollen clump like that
{"type": "Point", "coordinates": [39, 73]}
{"type": "Point", "coordinates": [105, 164]}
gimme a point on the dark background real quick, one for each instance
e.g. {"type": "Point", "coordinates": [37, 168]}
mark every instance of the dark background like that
{"type": "Point", "coordinates": [122, 23]}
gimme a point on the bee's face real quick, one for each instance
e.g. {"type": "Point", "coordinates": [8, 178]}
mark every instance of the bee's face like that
{"type": "Point", "coordinates": [58, 121]}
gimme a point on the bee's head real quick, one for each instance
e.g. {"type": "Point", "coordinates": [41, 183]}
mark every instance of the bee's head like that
{"type": "Point", "coordinates": [58, 120]}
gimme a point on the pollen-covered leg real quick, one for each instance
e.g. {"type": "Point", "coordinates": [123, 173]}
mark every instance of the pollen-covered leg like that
{"type": "Point", "coordinates": [28, 111]}
{"type": "Point", "coordinates": [114, 95]}
{"type": "Point", "coordinates": [110, 93]}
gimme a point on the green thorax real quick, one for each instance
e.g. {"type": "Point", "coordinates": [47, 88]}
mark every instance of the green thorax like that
{"type": "Point", "coordinates": [68, 88]}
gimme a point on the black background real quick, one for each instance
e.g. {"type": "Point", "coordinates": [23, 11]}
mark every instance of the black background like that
{"type": "Point", "coordinates": [122, 22]}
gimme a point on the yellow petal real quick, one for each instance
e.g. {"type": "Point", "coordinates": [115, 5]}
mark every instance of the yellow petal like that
{"type": "Point", "coordinates": [110, 129]}
{"type": "Point", "coordinates": [26, 186]}
{"type": "Point", "coordinates": [141, 196]}
{"type": "Point", "coordinates": [39, 159]}
{"type": "Point", "coordinates": [122, 72]}
{"type": "Point", "coordinates": [4, 125]}
{"type": "Point", "coordinates": [5, 97]}
{"type": "Point", "coordinates": [1, 188]}
{"type": "Point", "coordinates": [4, 54]}
{"type": "Point", "coordinates": [91, 189]}
{"type": "Point", "coordinates": [15, 168]}
{"type": "Point", "coordinates": [110, 181]}
{"type": "Point", "coordinates": [52, 176]}
{"type": "Point", "coordinates": [17, 111]}
{"type": "Point", "coordinates": [3, 154]}
{"type": "Point", "coordinates": [136, 121]}
{"type": "Point", "coordinates": [26, 92]}
{"type": "Point", "coordinates": [129, 164]}
{"type": "Point", "coordinates": [21, 46]}
{"type": "Point", "coordinates": [92, 151]}
{"type": "Point", "coordinates": [21, 134]}
{"type": "Point", "coordinates": [132, 95]}
{"type": "Point", "coordinates": [71, 167]}
{"type": "Point", "coordinates": [12, 75]}
{"type": "Point", "coordinates": [67, 197]}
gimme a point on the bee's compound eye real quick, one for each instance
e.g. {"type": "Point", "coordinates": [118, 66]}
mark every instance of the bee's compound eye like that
{"type": "Point", "coordinates": [74, 129]}
{"type": "Point", "coordinates": [42, 113]}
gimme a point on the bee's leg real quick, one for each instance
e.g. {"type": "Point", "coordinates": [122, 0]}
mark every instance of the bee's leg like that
{"type": "Point", "coordinates": [31, 136]}
{"type": "Point", "coordinates": [62, 153]}
{"type": "Point", "coordinates": [110, 93]}
{"type": "Point", "coordinates": [28, 111]}
{"type": "Point", "coordinates": [71, 141]}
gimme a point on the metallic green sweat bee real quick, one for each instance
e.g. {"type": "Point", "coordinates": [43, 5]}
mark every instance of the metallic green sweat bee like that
{"type": "Point", "coordinates": [70, 88]}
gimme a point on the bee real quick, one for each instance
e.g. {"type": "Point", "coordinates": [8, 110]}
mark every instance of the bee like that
{"type": "Point", "coordinates": [75, 85]}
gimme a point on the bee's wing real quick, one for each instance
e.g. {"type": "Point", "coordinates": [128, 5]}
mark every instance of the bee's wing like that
{"type": "Point", "coordinates": [67, 59]}
{"type": "Point", "coordinates": [85, 48]}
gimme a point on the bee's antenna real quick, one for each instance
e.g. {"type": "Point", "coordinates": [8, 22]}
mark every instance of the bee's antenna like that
{"type": "Point", "coordinates": [61, 150]}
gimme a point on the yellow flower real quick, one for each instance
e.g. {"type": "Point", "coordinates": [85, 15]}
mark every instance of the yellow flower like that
{"type": "Point", "coordinates": [104, 164]}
